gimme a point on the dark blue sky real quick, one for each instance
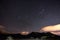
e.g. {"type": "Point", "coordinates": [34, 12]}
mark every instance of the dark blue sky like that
{"type": "Point", "coordinates": [30, 15]}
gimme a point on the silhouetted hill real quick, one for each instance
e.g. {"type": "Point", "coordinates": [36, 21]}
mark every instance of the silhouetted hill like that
{"type": "Point", "coordinates": [31, 35]}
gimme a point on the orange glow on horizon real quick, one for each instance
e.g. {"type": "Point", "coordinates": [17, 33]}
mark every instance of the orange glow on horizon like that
{"type": "Point", "coordinates": [24, 33]}
{"type": "Point", "coordinates": [56, 33]}
{"type": "Point", "coordinates": [55, 29]}
{"type": "Point", "coordinates": [51, 28]}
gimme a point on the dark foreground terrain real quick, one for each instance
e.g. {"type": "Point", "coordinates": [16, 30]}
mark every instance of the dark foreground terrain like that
{"type": "Point", "coordinates": [31, 36]}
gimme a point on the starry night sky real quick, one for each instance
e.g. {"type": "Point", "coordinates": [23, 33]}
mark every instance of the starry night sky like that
{"type": "Point", "coordinates": [29, 15]}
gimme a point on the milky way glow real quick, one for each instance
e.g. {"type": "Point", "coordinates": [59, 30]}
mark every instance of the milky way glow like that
{"type": "Point", "coordinates": [55, 29]}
